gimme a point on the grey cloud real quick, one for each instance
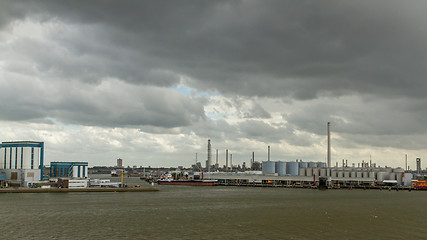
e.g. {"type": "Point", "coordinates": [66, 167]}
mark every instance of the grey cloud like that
{"type": "Point", "coordinates": [257, 111]}
{"type": "Point", "coordinates": [299, 49]}
{"type": "Point", "coordinates": [109, 104]}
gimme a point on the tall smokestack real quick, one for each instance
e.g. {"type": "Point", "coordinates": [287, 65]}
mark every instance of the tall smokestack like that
{"type": "Point", "coordinates": [406, 161]}
{"type": "Point", "coordinates": [268, 153]}
{"type": "Point", "coordinates": [329, 144]}
{"type": "Point", "coordinates": [208, 163]}
{"type": "Point", "coordinates": [226, 159]}
{"type": "Point", "coordinates": [253, 158]}
{"type": "Point", "coordinates": [231, 161]}
{"type": "Point", "coordinates": [217, 157]}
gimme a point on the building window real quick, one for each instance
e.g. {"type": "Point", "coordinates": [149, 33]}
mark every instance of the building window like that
{"type": "Point", "coordinates": [22, 157]}
{"type": "Point", "coordinates": [16, 158]}
{"type": "Point", "coordinates": [32, 158]}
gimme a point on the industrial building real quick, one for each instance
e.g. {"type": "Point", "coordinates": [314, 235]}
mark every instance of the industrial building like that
{"type": "Point", "coordinates": [309, 173]}
{"type": "Point", "coordinates": [68, 169]}
{"type": "Point", "coordinates": [22, 162]}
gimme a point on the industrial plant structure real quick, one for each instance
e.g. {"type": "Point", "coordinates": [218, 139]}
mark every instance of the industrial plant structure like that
{"type": "Point", "coordinates": [68, 169]}
{"type": "Point", "coordinates": [22, 162]}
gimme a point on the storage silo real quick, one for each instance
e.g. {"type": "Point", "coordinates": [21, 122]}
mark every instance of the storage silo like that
{"type": "Point", "coordinates": [292, 168]}
{"type": "Point", "coordinates": [381, 176]}
{"type": "Point", "coordinates": [353, 174]}
{"type": "Point", "coordinates": [303, 164]}
{"type": "Point", "coordinates": [371, 174]}
{"type": "Point", "coordinates": [399, 178]}
{"type": "Point", "coordinates": [301, 172]}
{"type": "Point", "coordinates": [340, 174]}
{"type": "Point", "coordinates": [321, 165]}
{"type": "Point", "coordinates": [359, 174]}
{"type": "Point", "coordinates": [365, 174]}
{"type": "Point", "coordinates": [346, 174]}
{"type": "Point", "coordinates": [323, 172]}
{"type": "Point", "coordinates": [312, 164]}
{"type": "Point", "coordinates": [268, 167]}
{"type": "Point", "coordinates": [309, 172]}
{"type": "Point", "coordinates": [281, 168]}
{"type": "Point", "coordinates": [333, 173]}
{"type": "Point", "coordinates": [392, 176]}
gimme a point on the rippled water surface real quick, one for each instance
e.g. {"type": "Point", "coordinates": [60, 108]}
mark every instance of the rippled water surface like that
{"type": "Point", "coordinates": [186, 212]}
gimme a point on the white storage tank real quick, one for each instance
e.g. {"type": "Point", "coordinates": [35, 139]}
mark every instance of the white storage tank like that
{"type": "Point", "coordinates": [323, 172]}
{"type": "Point", "coordinates": [333, 173]}
{"type": "Point", "coordinates": [392, 176]}
{"type": "Point", "coordinates": [346, 174]}
{"type": "Point", "coordinates": [381, 176]}
{"type": "Point", "coordinates": [281, 168]}
{"type": "Point", "coordinates": [268, 167]}
{"type": "Point", "coordinates": [292, 168]}
{"type": "Point", "coordinates": [309, 172]}
{"type": "Point", "coordinates": [302, 171]}
{"type": "Point", "coordinates": [321, 165]}
{"type": "Point", "coordinates": [371, 174]}
{"type": "Point", "coordinates": [353, 174]}
{"type": "Point", "coordinates": [365, 174]}
{"type": "Point", "coordinates": [303, 164]}
{"type": "Point", "coordinates": [340, 174]}
{"type": "Point", "coordinates": [359, 174]}
{"type": "Point", "coordinates": [399, 178]}
{"type": "Point", "coordinates": [312, 164]}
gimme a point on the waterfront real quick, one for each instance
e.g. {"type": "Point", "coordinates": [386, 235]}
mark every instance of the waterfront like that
{"type": "Point", "coordinates": [188, 212]}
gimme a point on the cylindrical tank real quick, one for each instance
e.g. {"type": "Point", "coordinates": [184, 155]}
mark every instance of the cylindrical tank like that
{"type": "Point", "coordinates": [323, 172]}
{"type": "Point", "coordinates": [292, 168]}
{"type": "Point", "coordinates": [381, 176]}
{"type": "Point", "coordinates": [303, 164]}
{"type": "Point", "coordinates": [346, 174]}
{"type": "Point", "coordinates": [353, 174]}
{"type": "Point", "coordinates": [340, 174]}
{"type": "Point", "coordinates": [365, 174]}
{"type": "Point", "coordinates": [281, 168]}
{"type": "Point", "coordinates": [399, 178]}
{"type": "Point", "coordinates": [359, 174]}
{"type": "Point", "coordinates": [268, 167]}
{"type": "Point", "coordinates": [301, 172]}
{"type": "Point", "coordinates": [321, 165]}
{"type": "Point", "coordinates": [312, 164]}
{"type": "Point", "coordinates": [389, 170]}
{"type": "Point", "coordinates": [333, 173]}
{"type": "Point", "coordinates": [328, 172]}
{"type": "Point", "coordinates": [309, 172]}
{"type": "Point", "coordinates": [371, 174]}
{"type": "Point", "coordinates": [392, 176]}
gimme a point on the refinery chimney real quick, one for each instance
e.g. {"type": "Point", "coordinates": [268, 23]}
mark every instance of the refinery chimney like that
{"type": "Point", "coordinates": [208, 163]}
{"type": "Point", "coordinates": [253, 159]}
{"type": "Point", "coordinates": [268, 153]}
{"type": "Point", "coordinates": [226, 159]}
{"type": "Point", "coordinates": [329, 144]}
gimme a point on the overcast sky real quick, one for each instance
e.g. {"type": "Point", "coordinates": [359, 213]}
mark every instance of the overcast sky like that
{"type": "Point", "coordinates": [151, 81]}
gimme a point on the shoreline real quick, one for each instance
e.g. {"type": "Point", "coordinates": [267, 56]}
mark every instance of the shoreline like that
{"type": "Point", "coordinates": [66, 190]}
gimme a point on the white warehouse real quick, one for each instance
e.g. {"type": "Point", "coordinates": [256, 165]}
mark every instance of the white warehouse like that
{"type": "Point", "coordinates": [22, 162]}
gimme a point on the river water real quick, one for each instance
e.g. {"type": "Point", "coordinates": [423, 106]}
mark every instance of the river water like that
{"type": "Point", "coordinates": [190, 212]}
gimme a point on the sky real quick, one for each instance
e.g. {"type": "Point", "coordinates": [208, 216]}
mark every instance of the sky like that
{"type": "Point", "coordinates": [151, 81]}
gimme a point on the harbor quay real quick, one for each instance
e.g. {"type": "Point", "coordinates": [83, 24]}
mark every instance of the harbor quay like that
{"type": "Point", "coordinates": [67, 190]}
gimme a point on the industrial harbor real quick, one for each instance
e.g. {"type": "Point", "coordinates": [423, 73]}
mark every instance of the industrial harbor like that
{"type": "Point", "coordinates": [22, 169]}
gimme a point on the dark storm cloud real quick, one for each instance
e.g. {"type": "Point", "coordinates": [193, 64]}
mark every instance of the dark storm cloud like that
{"type": "Point", "coordinates": [294, 48]}
{"type": "Point", "coordinates": [112, 104]}
{"type": "Point", "coordinates": [281, 49]}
